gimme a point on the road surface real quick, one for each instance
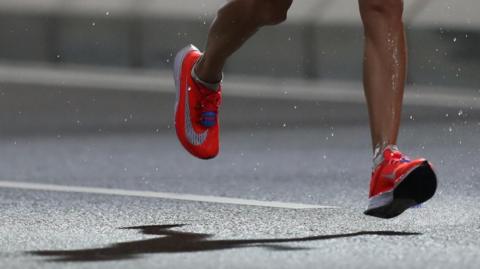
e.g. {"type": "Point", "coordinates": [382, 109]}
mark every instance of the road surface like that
{"type": "Point", "coordinates": [328, 166]}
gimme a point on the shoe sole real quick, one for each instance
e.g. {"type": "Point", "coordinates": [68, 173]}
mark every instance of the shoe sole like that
{"type": "Point", "coordinates": [418, 187]}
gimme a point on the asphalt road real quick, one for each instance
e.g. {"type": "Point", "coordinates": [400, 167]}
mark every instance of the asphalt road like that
{"type": "Point", "coordinates": [321, 166]}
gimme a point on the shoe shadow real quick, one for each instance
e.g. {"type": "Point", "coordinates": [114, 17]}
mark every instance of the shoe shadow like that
{"type": "Point", "coordinates": [179, 242]}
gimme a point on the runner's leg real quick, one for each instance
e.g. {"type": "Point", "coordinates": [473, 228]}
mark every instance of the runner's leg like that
{"type": "Point", "coordinates": [198, 75]}
{"type": "Point", "coordinates": [235, 23]}
{"type": "Point", "coordinates": [384, 67]}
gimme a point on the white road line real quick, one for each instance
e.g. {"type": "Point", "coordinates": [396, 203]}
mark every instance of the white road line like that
{"type": "Point", "coordinates": [151, 194]}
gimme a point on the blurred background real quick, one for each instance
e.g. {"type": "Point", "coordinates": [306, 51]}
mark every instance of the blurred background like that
{"type": "Point", "coordinates": [105, 65]}
{"type": "Point", "coordinates": [87, 99]}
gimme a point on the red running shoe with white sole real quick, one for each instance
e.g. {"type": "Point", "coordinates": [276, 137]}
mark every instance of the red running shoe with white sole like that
{"type": "Point", "coordinates": [399, 183]}
{"type": "Point", "coordinates": [196, 108]}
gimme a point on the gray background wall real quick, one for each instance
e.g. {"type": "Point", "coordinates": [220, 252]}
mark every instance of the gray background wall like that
{"type": "Point", "coordinates": [442, 51]}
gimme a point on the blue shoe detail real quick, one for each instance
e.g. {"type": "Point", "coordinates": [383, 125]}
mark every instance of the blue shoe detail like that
{"type": "Point", "coordinates": [208, 119]}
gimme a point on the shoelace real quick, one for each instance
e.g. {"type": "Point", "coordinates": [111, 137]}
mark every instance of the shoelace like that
{"type": "Point", "coordinates": [209, 104]}
{"type": "Point", "coordinates": [397, 157]}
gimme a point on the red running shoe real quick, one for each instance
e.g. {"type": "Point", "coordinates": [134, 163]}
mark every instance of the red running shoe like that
{"type": "Point", "coordinates": [399, 183]}
{"type": "Point", "coordinates": [196, 108]}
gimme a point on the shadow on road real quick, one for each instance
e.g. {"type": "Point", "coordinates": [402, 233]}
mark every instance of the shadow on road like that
{"type": "Point", "coordinates": [178, 242]}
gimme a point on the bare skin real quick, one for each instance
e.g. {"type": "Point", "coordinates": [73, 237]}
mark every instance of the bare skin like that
{"type": "Point", "coordinates": [385, 61]}
{"type": "Point", "coordinates": [235, 23]}
{"type": "Point", "coordinates": [384, 55]}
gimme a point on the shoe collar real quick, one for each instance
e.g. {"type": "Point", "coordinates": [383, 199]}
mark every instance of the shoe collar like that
{"type": "Point", "coordinates": [213, 86]}
{"type": "Point", "coordinates": [383, 153]}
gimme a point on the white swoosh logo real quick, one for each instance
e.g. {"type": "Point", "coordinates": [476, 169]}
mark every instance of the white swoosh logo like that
{"type": "Point", "coordinates": [389, 176]}
{"type": "Point", "coordinates": [192, 136]}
